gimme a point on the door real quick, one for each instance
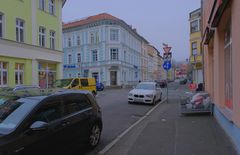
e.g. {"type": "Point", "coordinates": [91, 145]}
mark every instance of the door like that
{"type": "Point", "coordinates": [113, 78]}
{"type": "Point", "coordinates": [95, 75]}
{"type": "Point", "coordinates": [78, 112]}
{"type": "Point", "coordinates": [48, 140]}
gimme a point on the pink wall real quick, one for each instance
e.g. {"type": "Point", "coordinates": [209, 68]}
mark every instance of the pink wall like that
{"type": "Point", "coordinates": [214, 57]}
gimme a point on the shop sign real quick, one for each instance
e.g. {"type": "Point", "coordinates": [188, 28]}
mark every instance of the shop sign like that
{"type": "Point", "coordinates": [69, 66]}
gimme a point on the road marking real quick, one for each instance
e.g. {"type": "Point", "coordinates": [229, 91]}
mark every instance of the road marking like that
{"type": "Point", "coordinates": [111, 144]}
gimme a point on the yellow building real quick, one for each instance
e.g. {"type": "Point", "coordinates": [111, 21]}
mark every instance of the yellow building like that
{"type": "Point", "coordinates": [30, 42]}
{"type": "Point", "coordinates": [196, 58]}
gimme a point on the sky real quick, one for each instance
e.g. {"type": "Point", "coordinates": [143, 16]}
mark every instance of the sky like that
{"type": "Point", "coordinates": [158, 21]}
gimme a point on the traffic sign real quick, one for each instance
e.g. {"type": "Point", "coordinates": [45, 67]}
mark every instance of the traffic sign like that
{"type": "Point", "coordinates": [167, 49]}
{"type": "Point", "coordinates": [167, 65]}
{"type": "Point", "coordinates": [167, 56]}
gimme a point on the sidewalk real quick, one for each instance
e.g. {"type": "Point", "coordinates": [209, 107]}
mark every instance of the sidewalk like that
{"type": "Point", "coordinates": [165, 132]}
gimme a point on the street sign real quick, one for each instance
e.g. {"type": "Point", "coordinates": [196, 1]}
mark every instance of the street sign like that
{"type": "Point", "coordinates": [165, 45]}
{"type": "Point", "coordinates": [167, 65]}
{"type": "Point", "coordinates": [167, 49]}
{"type": "Point", "coordinates": [167, 56]}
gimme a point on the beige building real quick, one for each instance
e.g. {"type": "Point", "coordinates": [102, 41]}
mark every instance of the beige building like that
{"type": "Point", "coordinates": [221, 37]}
{"type": "Point", "coordinates": [144, 61]}
{"type": "Point", "coordinates": [154, 61]}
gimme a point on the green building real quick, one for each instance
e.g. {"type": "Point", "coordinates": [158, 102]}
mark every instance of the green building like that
{"type": "Point", "coordinates": [30, 42]}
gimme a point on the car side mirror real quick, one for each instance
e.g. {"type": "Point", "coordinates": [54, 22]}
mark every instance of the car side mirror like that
{"type": "Point", "coordinates": [39, 126]}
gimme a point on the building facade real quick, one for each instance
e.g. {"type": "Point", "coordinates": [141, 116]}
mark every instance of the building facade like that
{"type": "Point", "coordinates": [144, 61]}
{"type": "Point", "coordinates": [196, 58]}
{"type": "Point", "coordinates": [221, 36]}
{"type": "Point", "coordinates": [104, 47]}
{"type": "Point", "coordinates": [30, 42]}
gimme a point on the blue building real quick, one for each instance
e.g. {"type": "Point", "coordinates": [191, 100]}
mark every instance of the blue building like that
{"type": "Point", "coordinates": [104, 47]}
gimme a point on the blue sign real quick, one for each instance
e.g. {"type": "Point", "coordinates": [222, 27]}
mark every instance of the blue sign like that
{"type": "Point", "coordinates": [69, 66]}
{"type": "Point", "coordinates": [167, 65]}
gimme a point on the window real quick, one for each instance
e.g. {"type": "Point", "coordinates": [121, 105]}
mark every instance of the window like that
{"type": "Point", "coordinates": [52, 39]}
{"type": "Point", "coordinates": [19, 30]}
{"type": "Point", "coordinates": [19, 73]}
{"type": "Point", "coordinates": [94, 55]}
{"type": "Point", "coordinates": [194, 26]}
{"type": "Point", "coordinates": [114, 54]}
{"type": "Point", "coordinates": [75, 83]}
{"type": "Point", "coordinates": [74, 103]}
{"type": "Point", "coordinates": [42, 4]}
{"type": "Point", "coordinates": [69, 42]}
{"type": "Point", "coordinates": [228, 67]}
{"type": "Point", "coordinates": [78, 57]}
{"type": "Point", "coordinates": [97, 37]}
{"type": "Point", "coordinates": [1, 25]}
{"type": "Point", "coordinates": [194, 48]}
{"type": "Point", "coordinates": [85, 73]}
{"type": "Point", "coordinates": [92, 38]}
{"type": "Point", "coordinates": [42, 35]}
{"type": "Point", "coordinates": [125, 56]}
{"type": "Point", "coordinates": [78, 40]}
{"type": "Point", "coordinates": [3, 73]}
{"type": "Point", "coordinates": [114, 35]}
{"type": "Point", "coordinates": [136, 75]}
{"type": "Point", "coordinates": [52, 7]}
{"type": "Point", "coordinates": [84, 82]}
{"type": "Point", "coordinates": [69, 59]}
{"type": "Point", "coordinates": [50, 111]}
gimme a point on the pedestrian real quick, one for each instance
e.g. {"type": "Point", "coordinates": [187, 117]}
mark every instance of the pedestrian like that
{"type": "Point", "coordinates": [139, 81]}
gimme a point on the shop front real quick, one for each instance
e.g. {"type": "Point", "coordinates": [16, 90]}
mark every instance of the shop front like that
{"type": "Point", "coordinates": [47, 74]}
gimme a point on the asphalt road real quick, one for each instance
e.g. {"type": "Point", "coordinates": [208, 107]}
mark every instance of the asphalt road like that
{"type": "Point", "coordinates": [118, 115]}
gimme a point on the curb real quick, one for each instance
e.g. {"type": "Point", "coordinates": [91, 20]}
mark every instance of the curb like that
{"type": "Point", "coordinates": [111, 144]}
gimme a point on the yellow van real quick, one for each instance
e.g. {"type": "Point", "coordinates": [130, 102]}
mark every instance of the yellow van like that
{"type": "Point", "coordinates": [77, 84]}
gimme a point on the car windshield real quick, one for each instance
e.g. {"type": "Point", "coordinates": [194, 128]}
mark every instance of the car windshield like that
{"type": "Point", "coordinates": [62, 83]}
{"type": "Point", "coordinates": [12, 111]}
{"type": "Point", "coordinates": [145, 86]}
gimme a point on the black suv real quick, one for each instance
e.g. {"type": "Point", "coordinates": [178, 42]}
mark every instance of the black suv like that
{"type": "Point", "coordinates": [47, 124]}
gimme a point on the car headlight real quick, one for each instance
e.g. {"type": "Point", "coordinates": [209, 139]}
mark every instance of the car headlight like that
{"type": "Point", "coordinates": [150, 95]}
{"type": "Point", "coordinates": [130, 94]}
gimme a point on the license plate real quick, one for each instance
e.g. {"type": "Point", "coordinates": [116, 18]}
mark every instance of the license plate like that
{"type": "Point", "coordinates": [138, 100]}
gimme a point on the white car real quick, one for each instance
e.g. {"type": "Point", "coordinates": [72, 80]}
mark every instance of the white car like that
{"type": "Point", "coordinates": [145, 92]}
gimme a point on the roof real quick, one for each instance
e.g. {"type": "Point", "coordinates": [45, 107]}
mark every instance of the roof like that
{"type": "Point", "coordinates": [89, 19]}
{"type": "Point", "coordinates": [99, 17]}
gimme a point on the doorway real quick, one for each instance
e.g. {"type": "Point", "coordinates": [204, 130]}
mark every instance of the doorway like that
{"type": "Point", "coordinates": [113, 78]}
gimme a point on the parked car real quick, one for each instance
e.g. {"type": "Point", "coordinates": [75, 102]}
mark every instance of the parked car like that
{"type": "Point", "coordinates": [100, 86]}
{"type": "Point", "coordinates": [48, 124]}
{"type": "Point", "coordinates": [163, 83]}
{"type": "Point", "coordinates": [145, 92]}
{"type": "Point", "coordinates": [77, 84]}
{"type": "Point", "coordinates": [20, 88]}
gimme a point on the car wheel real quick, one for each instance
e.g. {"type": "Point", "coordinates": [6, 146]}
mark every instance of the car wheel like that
{"type": "Point", "coordinates": [129, 102]}
{"type": "Point", "coordinates": [95, 135]}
